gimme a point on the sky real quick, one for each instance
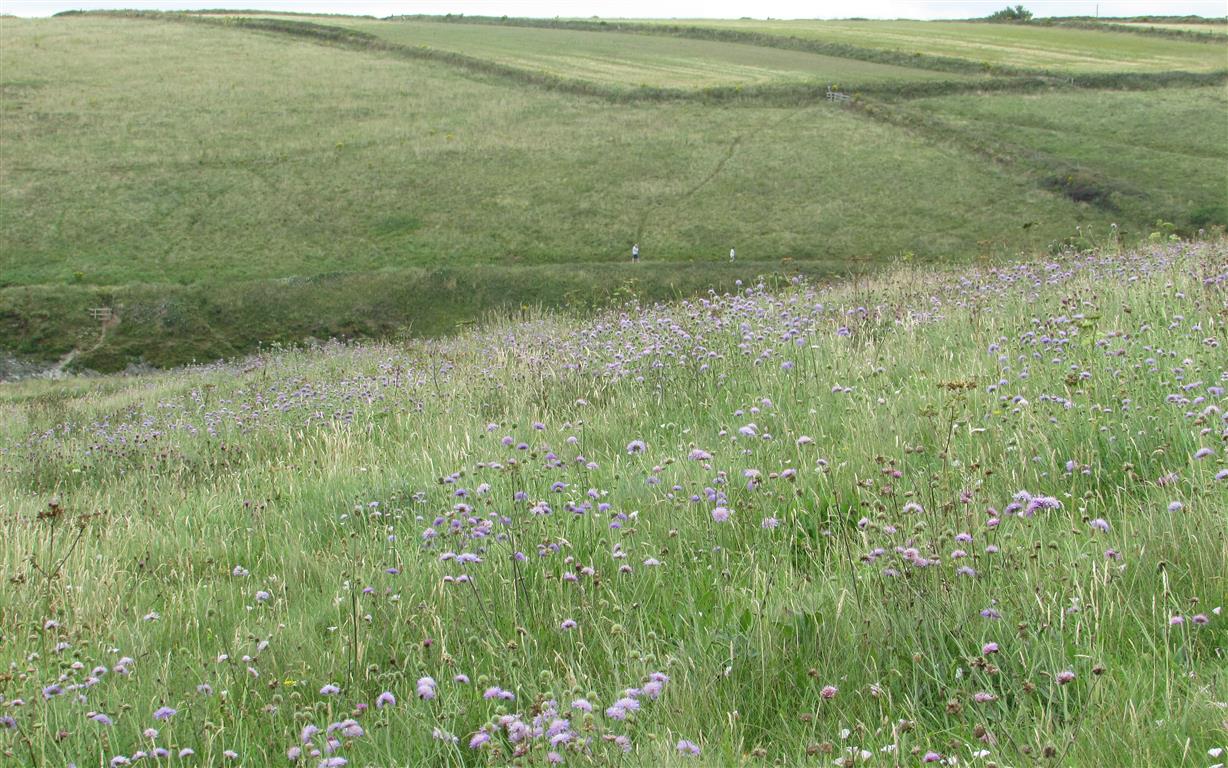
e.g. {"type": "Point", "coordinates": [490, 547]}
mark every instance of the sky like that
{"type": "Point", "coordinates": [779, 9]}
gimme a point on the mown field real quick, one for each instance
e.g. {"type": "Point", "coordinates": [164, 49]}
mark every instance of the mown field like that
{"type": "Point", "coordinates": [996, 45]}
{"type": "Point", "coordinates": [636, 60]}
{"type": "Point", "coordinates": [224, 182]}
{"type": "Point", "coordinates": [961, 516]}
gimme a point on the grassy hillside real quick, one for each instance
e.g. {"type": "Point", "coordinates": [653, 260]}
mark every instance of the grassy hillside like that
{"type": "Point", "coordinates": [952, 517]}
{"type": "Point", "coordinates": [1141, 154]}
{"type": "Point", "coordinates": [222, 185]}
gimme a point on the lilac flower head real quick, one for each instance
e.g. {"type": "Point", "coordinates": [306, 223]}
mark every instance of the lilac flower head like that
{"type": "Point", "coordinates": [164, 713]}
{"type": "Point", "coordinates": [688, 748]}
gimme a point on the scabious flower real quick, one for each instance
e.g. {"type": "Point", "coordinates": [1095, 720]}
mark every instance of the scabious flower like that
{"type": "Point", "coordinates": [688, 748]}
{"type": "Point", "coordinates": [1065, 676]}
{"type": "Point", "coordinates": [582, 704]}
{"type": "Point", "coordinates": [636, 446]}
{"type": "Point", "coordinates": [829, 692]}
{"type": "Point", "coordinates": [479, 738]}
{"type": "Point", "coordinates": [1175, 506]}
{"type": "Point", "coordinates": [568, 624]}
{"type": "Point", "coordinates": [329, 690]}
{"type": "Point", "coordinates": [1202, 453]}
{"type": "Point", "coordinates": [983, 697]}
{"type": "Point", "coordinates": [164, 713]}
{"type": "Point", "coordinates": [989, 648]}
{"type": "Point", "coordinates": [426, 688]}
{"type": "Point", "coordinates": [385, 699]}
{"type": "Point", "coordinates": [1100, 524]}
{"type": "Point", "coordinates": [720, 514]}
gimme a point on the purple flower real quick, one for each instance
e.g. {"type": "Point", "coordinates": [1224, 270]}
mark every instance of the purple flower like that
{"type": "Point", "coordinates": [989, 648]}
{"type": "Point", "coordinates": [720, 514]}
{"type": "Point", "coordinates": [100, 718]}
{"type": "Point", "coordinates": [568, 624]}
{"type": "Point", "coordinates": [1202, 453]}
{"type": "Point", "coordinates": [688, 748]}
{"type": "Point", "coordinates": [1100, 524]}
{"type": "Point", "coordinates": [385, 699]}
{"type": "Point", "coordinates": [426, 688]}
{"type": "Point", "coordinates": [636, 446]}
{"type": "Point", "coordinates": [164, 713]}
{"type": "Point", "coordinates": [479, 738]}
{"type": "Point", "coordinates": [329, 690]}
{"type": "Point", "coordinates": [829, 692]}
{"type": "Point", "coordinates": [1065, 676]}
{"type": "Point", "coordinates": [582, 704]}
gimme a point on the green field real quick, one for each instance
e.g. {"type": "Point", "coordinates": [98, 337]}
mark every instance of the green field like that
{"type": "Point", "coordinates": [334, 176]}
{"type": "Point", "coordinates": [1106, 143]}
{"type": "Point", "coordinates": [1202, 29]}
{"type": "Point", "coordinates": [1001, 45]}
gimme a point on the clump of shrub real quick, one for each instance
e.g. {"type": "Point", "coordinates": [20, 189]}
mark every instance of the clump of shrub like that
{"type": "Point", "coordinates": [1009, 14]}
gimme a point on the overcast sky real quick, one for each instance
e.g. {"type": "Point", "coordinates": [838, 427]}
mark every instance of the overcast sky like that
{"type": "Point", "coordinates": [780, 9]}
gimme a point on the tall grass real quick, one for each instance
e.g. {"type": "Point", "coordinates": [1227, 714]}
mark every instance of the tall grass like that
{"type": "Point", "coordinates": [914, 467]}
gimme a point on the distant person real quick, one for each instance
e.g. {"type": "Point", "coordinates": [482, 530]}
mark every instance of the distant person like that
{"type": "Point", "coordinates": [635, 253]}
{"type": "Point", "coordinates": [733, 255]}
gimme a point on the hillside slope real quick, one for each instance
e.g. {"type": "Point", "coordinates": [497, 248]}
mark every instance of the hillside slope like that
{"type": "Point", "coordinates": [219, 185]}
{"type": "Point", "coordinates": [954, 516]}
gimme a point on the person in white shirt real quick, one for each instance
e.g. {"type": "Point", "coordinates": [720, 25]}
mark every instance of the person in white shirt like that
{"type": "Point", "coordinates": [733, 255]}
{"type": "Point", "coordinates": [635, 252]}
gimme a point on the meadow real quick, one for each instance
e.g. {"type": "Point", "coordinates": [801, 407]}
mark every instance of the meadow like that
{"type": "Point", "coordinates": [937, 516]}
{"type": "Point", "coordinates": [223, 182]}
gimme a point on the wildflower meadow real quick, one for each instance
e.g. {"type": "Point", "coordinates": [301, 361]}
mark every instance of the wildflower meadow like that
{"type": "Point", "coordinates": [967, 516]}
